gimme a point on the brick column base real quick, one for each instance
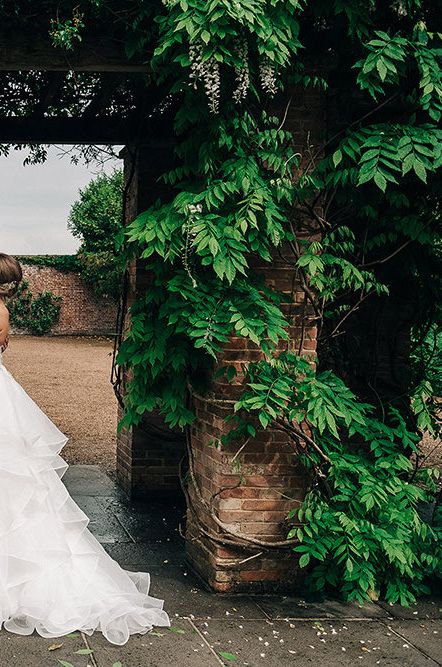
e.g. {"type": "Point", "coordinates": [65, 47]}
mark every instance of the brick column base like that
{"type": "Point", "coordinates": [253, 500]}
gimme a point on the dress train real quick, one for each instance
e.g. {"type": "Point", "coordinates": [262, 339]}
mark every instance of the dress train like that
{"type": "Point", "coordinates": [55, 577]}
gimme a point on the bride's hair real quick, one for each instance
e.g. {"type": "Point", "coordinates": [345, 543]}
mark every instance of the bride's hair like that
{"type": "Point", "coordinates": [10, 275]}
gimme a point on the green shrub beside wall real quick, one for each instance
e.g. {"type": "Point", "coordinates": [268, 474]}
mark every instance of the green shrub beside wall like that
{"type": "Point", "coordinates": [36, 314]}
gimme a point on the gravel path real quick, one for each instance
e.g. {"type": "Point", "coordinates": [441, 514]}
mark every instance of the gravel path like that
{"type": "Point", "coordinates": [69, 379]}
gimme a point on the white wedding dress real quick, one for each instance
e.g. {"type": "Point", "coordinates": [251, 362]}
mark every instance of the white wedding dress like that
{"type": "Point", "coordinates": [55, 577]}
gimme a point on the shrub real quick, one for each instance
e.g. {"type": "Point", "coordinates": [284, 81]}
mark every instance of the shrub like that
{"type": "Point", "coordinates": [36, 314]}
{"type": "Point", "coordinates": [359, 530]}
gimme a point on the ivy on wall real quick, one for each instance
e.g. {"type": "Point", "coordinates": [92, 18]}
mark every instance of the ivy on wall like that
{"type": "Point", "coordinates": [64, 263]}
{"type": "Point", "coordinates": [368, 196]}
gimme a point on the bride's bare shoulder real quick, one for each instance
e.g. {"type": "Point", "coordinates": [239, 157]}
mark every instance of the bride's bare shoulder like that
{"type": "Point", "coordinates": [4, 313]}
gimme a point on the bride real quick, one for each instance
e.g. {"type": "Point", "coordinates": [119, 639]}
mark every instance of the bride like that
{"type": "Point", "coordinates": [55, 577]}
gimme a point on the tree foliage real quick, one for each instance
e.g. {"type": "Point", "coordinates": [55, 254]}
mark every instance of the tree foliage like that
{"type": "Point", "coordinates": [97, 219]}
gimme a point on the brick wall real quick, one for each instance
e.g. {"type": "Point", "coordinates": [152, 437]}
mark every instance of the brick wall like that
{"type": "Point", "coordinates": [82, 311]}
{"type": "Point", "coordinates": [148, 459]}
{"type": "Point", "coordinates": [149, 454]}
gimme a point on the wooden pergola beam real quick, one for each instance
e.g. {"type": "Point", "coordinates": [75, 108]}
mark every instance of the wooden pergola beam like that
{"type": "Point", "coordinates": [100, 54]}
{"type": "Point", "coordinates": [60, 130]}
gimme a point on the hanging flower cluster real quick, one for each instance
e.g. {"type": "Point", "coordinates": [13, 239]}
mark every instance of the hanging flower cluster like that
{"type": "Point", "coordinates": [242, 72]}
{"type": "Point", "coordinates": [206, 71]}
{"type": "Point", "coordinates": [194, 209]}
{"type": "Point", "coordinates": [267, 74]}
{"type": "Point", "coordinates": [193, 212]}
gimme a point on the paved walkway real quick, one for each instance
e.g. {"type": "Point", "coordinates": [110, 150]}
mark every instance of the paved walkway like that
{"type": "Point", "coordinates": [211, 630]}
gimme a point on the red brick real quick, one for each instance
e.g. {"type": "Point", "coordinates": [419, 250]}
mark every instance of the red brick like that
{"type": "Point", "coordinates": [259, 575]}
{"type": "Point", "coordinates": [270, 505]}
{"type": "Point", "coordinates": [263, 528]}
{"type": "Point", "coordinates": [240, 492]}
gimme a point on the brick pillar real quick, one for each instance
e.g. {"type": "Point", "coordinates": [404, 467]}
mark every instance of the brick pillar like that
{"type": "Point", "coordinates": [148, 455]}
{"type": "Point", "coordinates": [251, 491]}
{"type": "Point", "coordinates": [254, 493]}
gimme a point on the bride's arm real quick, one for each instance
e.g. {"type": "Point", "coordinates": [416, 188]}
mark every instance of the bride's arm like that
{"type": "Point", "coordinates": [4, 328]}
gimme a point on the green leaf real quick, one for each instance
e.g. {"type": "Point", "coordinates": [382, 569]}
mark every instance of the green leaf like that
{"type": "Point", "coordinates": [380, 181]}
{"type": "Point", "coordinates": [304, 560]}
{"type": "Point", "coordinates": [177, 631]}
{"type": "Point", "coordinates": [230, 657]}
{"type": "Point", "coordinates": [337, 157]}
{"type": "Point", "coordinates": [84, 651]}
{"type": "Point", "coordinates": [382, 69]}
{"type": "Point", "coordinates": [419, 170]}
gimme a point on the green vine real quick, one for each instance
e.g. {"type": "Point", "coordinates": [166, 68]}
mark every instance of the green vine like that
{"type": "Point", "coordinates": [355, 213]}
{"type": "Point", "coordinates": [367, 196]}
{"type": "Point", "coordinates": [64, 263]}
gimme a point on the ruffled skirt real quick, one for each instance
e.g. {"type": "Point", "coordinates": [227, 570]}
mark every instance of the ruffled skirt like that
{"type": "Point", "coordinates": [55, 577]}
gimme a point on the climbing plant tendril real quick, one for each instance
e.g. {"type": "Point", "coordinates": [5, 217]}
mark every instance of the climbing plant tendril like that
{"type": "Point", "coordinates": [355, 211]}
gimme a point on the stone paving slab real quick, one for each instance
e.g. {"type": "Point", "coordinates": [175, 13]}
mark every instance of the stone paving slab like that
{"type": "Point", "coordinates": [144, 556]}
{"type": "Point", "coordinates": [331, 643]}
{"type": "Point", "coordinates": [424, 608]}
{"type": "Point", "coordinates": [33, 651]}
{"type": "Point", "coordinates": [151, 521]}
{"type": "Point", "coordinates": [90, 480]}
{"type": "Point", "coordinates": [104, 525]}
{"type": "Point", "coordinates": [425, 635]}
{"type": "Point", "coordinates": [108, 531]}
{"type": "Point", "coordinates": [297, 608]}
{"type": "Point", "coordinates": [185, 597]}
{"type": "Point", "coordinates": [182, 646]}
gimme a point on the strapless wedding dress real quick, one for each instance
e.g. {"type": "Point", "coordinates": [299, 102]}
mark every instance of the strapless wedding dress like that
{"type": "Point", "coordinates": [55, 577]}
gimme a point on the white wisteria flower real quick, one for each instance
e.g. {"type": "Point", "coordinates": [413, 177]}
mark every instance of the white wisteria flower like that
{"type": "Point", "coordinates": [267, 74]}
{"type": "Point", "coordinates": [242, 72]}
{"type": "Point", "coordinates": [206, 71]}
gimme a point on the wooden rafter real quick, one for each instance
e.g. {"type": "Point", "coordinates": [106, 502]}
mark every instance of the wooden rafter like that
{"type": "Point", "coordinates": [28, 52]}
{"type": "Point", "coordinates": [64, 130]}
